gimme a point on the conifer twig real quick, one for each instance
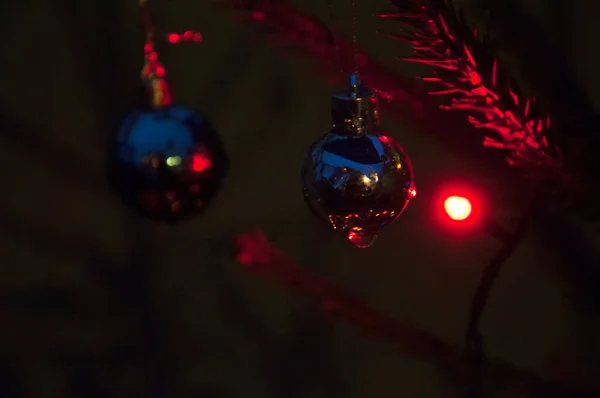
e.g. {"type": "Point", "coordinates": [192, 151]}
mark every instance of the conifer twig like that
{"type": "Point", "coordinates": [470, 78]}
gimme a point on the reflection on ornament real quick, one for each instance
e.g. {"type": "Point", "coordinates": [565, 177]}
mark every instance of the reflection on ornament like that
{"type": "Point", "coordinates": [167, 162]}
{"type": "Point", "coordinates": [355, 178]}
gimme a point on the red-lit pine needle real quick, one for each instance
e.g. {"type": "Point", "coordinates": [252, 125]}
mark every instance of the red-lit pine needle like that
{"type": "Point", "coordinates": [257, 255]}
{"type": "Point", "coordinates": [435, 42]}
{"type": "Point", "coordinates": [432, 35]}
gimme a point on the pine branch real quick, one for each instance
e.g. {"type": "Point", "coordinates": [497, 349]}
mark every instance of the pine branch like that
{"type": "Point", "coordinates": [474, 338]}
{"type": "Point", "coordinates": [281, 25]}
{"type": "Point", "coordinates": [293, 30]}
{"type": "Point", "coordinates": [472, 79]}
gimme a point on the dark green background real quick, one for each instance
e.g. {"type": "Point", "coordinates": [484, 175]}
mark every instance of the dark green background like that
{"type": "Point", "coordinates": [95, 302]}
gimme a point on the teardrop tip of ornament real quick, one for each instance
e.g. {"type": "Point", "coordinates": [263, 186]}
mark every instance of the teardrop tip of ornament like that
{"type": "Point", "coordinates": [361, 241]}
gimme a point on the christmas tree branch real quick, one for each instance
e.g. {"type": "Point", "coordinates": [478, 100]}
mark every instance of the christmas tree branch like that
{"type": "Point", "coordinates": [283, 23]}
{"type": "Point", "coordinates": [474, 338]}
{"type": "Point", "coordinates": [305, 35]}
{"type": "Point", "coordinates": [289, 30]}
{"type": "Point", "coordinates": [260, 257]}
{"type": "Point", "coordinates": [466, 69]}
{"type": "Point", "coordinates": [471, 77]}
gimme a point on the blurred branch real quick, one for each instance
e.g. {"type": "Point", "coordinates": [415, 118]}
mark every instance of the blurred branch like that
{"type": "Point", "coordinates": [311, 38]}
{"type": "Point", "coordinates": [279, 23]}
{"type": "Point", "coordinates": [20, 134]}
{"type": "Point", "coordinates": [256, 253]}
{"type": "Point", "coordinates": [474, 338]}
{"type": "Point", "coordinates": [541, 62]}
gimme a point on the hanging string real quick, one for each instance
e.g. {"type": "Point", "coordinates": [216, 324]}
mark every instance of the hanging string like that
{"type": "Point", "coordinates": [153, 72]}
{"type": "Point", "coordinates": [334, 36]}
{"type": "Point", "coordinates": [354, 33]}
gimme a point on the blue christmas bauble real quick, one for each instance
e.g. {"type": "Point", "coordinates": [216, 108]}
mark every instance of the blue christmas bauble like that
{"type": "Point", "coordinates": [167, 163]}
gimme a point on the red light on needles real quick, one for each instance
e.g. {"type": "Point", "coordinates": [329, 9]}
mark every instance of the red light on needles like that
{"type": "Point", "coordinates": [458, 208]}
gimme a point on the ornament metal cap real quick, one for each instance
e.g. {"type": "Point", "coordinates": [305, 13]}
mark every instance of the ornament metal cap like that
{"type": "Point", "coordinates": [355, 110]}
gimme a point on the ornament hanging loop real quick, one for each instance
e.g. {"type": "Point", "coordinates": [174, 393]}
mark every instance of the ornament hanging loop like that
{"type": "Point", "coordinates": [355, 111]}
{"type": "Point", "coordinates": [354, 27]}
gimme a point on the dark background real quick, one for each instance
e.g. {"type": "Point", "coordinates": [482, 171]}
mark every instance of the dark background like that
{"type": "Point", "coordinates": [95, 302]}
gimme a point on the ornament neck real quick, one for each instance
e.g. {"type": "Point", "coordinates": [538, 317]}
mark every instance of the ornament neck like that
{"type": "Point", "coordinates": [355, 110]}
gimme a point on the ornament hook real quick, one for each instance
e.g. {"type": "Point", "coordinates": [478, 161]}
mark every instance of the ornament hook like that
{"type": "Point", "coordinates": [355, 110]}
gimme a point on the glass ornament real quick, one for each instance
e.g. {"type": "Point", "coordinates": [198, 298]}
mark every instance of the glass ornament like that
{"type": "Point", "coordinates": [355, 178]}
{"type": "Point", "coordinates": [167, 163]}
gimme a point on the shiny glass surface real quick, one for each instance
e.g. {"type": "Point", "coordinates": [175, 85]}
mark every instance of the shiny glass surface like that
{"type": "Point", "coordinates": [358, 183]}
{"type": "Point", "coordinates": [166, 163]}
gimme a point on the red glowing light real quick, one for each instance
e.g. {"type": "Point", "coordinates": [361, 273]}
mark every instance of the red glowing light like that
{"type": "Point", "coordinates": [458, 208]}
{"type": "Point", "coordinates": [173, 38]}
{"type": "Point", "coordinates": [200, 163]}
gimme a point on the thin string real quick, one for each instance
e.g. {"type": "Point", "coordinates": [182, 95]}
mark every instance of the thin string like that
{"type": "Point", "coordinates": [334, 36]}
{"type": "Point", "coordinates": [354, 27]}
{"type": "Point", "coordinates": [147, 21]}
